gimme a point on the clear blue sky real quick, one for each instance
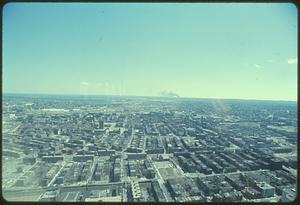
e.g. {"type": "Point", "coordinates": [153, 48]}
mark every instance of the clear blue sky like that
{"type": "Point", "coordinates": [246, 51]}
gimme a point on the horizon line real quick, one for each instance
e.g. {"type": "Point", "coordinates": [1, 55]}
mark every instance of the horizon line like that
{"type": "Point", "coordinates": [115, 95]}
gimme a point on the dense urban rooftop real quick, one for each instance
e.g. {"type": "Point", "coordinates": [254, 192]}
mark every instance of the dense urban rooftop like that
{"type": "Point", "coordinates": [130, 149]}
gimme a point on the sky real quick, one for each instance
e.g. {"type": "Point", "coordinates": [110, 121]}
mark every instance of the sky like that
{"type": "Point", "coordinates": [199, 50]}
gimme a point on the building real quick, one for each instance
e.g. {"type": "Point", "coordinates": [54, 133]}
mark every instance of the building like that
{"type": "Point", "coordinates": [49, 196]}
{"type": "Point", "coordinates": [288, 195]}
{"type": "Point", "coordinates": [158, 193]}
{"type": "Point", "coordinates": [83, 158]}
{"type": "Point", "coordinates": [251, 193]}
{"type": "Point", "coordinates": [136, 156]}
{"type": "Point", "coordinates": [136, 191]}
{"type": "Point", "coordinates": [265, 189]}
{"type": "Point", "coordinates": [52, 159]}
{"type": "Point", "coordinates": [106, 152]}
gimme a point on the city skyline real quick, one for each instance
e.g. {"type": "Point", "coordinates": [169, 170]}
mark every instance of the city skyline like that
{"type": "Point", "coordinates": [237, 51]}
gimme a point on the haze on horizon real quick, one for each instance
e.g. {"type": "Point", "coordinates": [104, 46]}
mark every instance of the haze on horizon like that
{"type": "Point", "coordinates": [200, 50]}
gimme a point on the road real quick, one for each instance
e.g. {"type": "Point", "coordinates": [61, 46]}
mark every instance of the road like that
{"type": "Point", "coordinates": [221, 174]}
{"type": "Point", "coordinates": [24, 194]}
{"type": "Point", "coordinates": [57, 174]}
{"type": "Point", "coordinates": [96, 186]}
{"type": "Point", "coordinates": [177, 166]}
{"type": "Point", "coordinates": [161, 184]}
{"type": "Point", "coordinates": [96, 158]}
